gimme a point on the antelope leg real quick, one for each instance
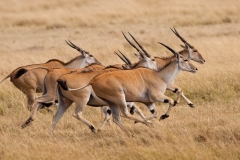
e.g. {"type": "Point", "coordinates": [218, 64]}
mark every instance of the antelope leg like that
{"type": "Point", "coordinates": [78, 115]}
{"type": "Point", "coordinates": [64, 104]}
{"type": "Point", "coordinates": [165, 99]}
{"type": "Point", "coordinates": [178, 90]}
{"type": "Point", "coordinates": [107, 113]}
{"type": "Point", "coordinates": [117, 118]}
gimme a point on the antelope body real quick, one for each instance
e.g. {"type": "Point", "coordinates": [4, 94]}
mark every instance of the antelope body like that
{"type": "Point", "coordinates": [49, 90]}
{"type": "Point", "coordinates": [31, 82]}
{"type": "Point", "coordinates": [161, 62]}
{"type": "Point", "coordinates": [193, 55]}
{"type": "Point", "coordinates": [86, 96]}
{"type": "Point", "coordinates": [138, 85]}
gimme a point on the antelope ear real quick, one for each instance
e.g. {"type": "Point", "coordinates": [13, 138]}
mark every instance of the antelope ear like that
{"type": "Point", "coordinates": [84, 53]}
{"type": "Point", "coordinates": [138, 56]}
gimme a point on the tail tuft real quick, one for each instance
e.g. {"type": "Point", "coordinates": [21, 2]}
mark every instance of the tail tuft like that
{"type": "Point", "coordinates": [63, 84]}
{"type": "Point", "coordinates": [20, 72]}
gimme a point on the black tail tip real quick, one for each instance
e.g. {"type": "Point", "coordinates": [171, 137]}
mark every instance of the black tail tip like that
{"type": "Point", "coordinates": [63, 84]}
{"type": "Point", "coordinates": [20, 72]}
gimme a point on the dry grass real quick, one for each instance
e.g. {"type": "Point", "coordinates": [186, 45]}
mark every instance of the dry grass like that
{"type": "Point", "coordinates": [34, 32]}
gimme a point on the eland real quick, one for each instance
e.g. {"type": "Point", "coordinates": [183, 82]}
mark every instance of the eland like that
{"type": "Point", "coordinates": [67, 98]}
{"type": "Point", "coordinates": [31, 82]}
{"type": "Point", "coordinates": [48, 97]}
{"type": "Point", "coordinates": [86, 96]}
{"type": "Point", "coordinates": [137, 85]}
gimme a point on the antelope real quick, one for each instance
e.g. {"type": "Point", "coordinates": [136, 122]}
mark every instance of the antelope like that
{"type": "Point", "coordinates": [31, 82]}
{"type": "Point", "coordinates": [189, 52]}
{"type": "Point", "coordinates": [150, 106]}
{"type": "Point", "coordinates": [86, 96]}
{"type": "Point", "coordinates": [49, 88]}
{"type": "Point", "coordinates": [195, 56]}
{"type": "Point", "coordinates": [137, 85]}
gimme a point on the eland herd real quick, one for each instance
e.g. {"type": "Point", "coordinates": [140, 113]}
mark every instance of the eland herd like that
{"type": "Point", "coordinates": [85, 81]}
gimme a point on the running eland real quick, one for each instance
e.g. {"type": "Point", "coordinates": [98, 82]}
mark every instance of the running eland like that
{"type": "Point", "coordinates": [137, 85]}
{"type": "Point", "coordinates": [31, 82]}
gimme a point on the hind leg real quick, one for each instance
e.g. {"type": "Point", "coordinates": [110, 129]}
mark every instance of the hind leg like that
{"type": "Point", "coordinates": [107, 112]}
{"type": "Point", "coordinates": [64, 104]}
{"type": "Point", "coordinates": [38, 103]}
{"type": "Point", "coordinates": [121, 103]}
{"type": "Point", "coordinates": [116, 117]}
{"type": "Point", "coordinates": [31, 94]}
{"type": "Point", "coordinates": [78, 114]}
{"type": "Point", "coordinates": [32, 115]}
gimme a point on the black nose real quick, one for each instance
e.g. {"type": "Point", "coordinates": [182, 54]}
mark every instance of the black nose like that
{"type": "Point", "coordinates": [204, 60]}
{"type": "Point", "coordinates": [196, 69]}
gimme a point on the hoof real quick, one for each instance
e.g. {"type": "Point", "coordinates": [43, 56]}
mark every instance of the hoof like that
{"type": "Point", "coordinates": [49, 110]}
{"type": "Point", "coordinates": [175, 103]}
{"type": "Point", "coordinates": [27, 123]}
{"type": "Point", "coordinates": [93, 129]}
{"type": "Point", "coordinates": [191, 105]}
{"type": "Point", "coordinates": [23, 125]}
{"type": "Point", "coordinates": [163, 117]}
{"type": "Point", "coordinates": [131, 112]}
{"type": "Point", "coordinates": [148, 123]}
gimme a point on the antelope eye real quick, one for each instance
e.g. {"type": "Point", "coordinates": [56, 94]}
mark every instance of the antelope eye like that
{"type": "Point", "coordinates": [195, 50]}
{"type": "Point", "coordinates": [90, 55]}
{"type": "Point", "coordinates": [185, 60]}
{"type": "Point", "coordinates": [153, 59]}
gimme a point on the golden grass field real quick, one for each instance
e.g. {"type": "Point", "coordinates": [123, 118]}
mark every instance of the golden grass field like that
{"type": "Point", "coordinates": [34, 32]}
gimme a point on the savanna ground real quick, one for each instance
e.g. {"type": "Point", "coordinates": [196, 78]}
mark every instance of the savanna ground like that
{"type": "Point", "coordinates": [34, 32]}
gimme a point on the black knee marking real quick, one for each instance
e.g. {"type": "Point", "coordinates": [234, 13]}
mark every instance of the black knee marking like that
{"type": "Point", "coordinates": [47, 104]}
{"type": "Point", "coordinates": [132, 110]}
{"type": "Point", "coordinates": [164, 116]}
{"type": "Point", "coordinates": [166, 101]}
{"type": "Point", "coordinates": [92, 128]}
{"type": "Point", "coordinates": [175, 91]}
{"type": "Point", "coordinates": [175, 102]}
{"type": "Point", "coordinates": [152, 111]}
{"type": "Point", "coordinates": [109, 111]}
{"type": "Point", "coordinates": [29, 120]}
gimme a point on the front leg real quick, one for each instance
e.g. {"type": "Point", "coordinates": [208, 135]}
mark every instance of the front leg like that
{"type": "Point", "coordinates": [134, 108]}
{"type": "Point", "coordinates": [178, 90]}
{"type": "Point", "coordinates": [162, 98]}
{"type": "Point", "coordinates": [152, 108]}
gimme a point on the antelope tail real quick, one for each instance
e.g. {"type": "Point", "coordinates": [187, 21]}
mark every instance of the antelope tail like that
{"type": "Point", "coordinates": [16, 75]}
{"type": "Point", "coordinates": [6, 78]}
{"type": "Point", "coordinates": [64, 86]}
{"type": "Point", "coordinates": [21, 71]}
